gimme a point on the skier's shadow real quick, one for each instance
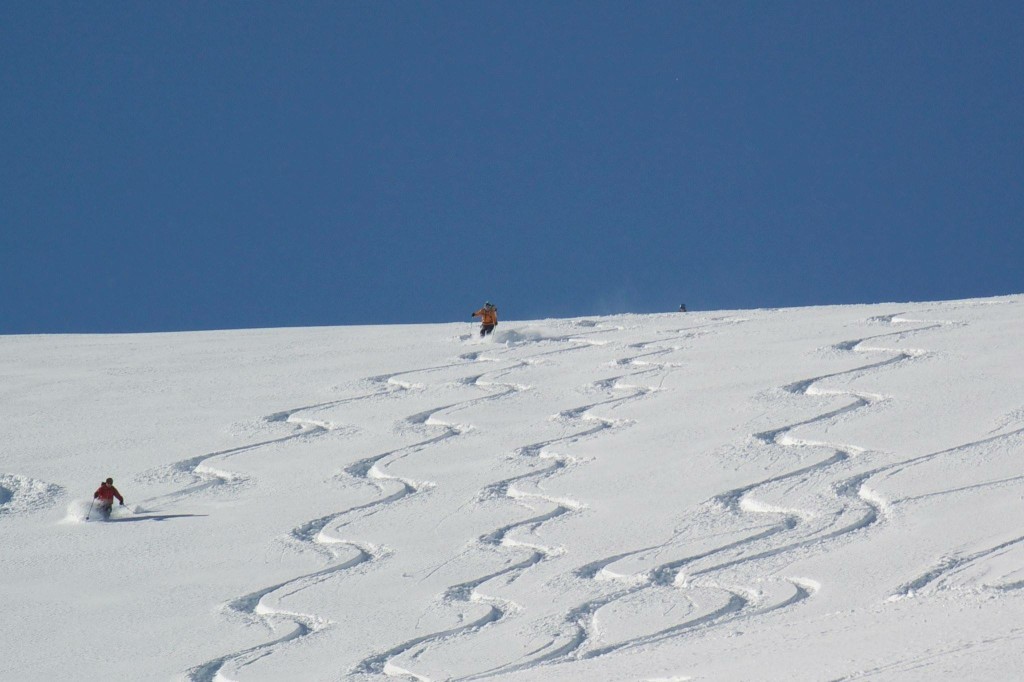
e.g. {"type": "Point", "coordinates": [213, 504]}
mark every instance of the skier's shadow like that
{"type": "Point", "coordinates": [151, 517]}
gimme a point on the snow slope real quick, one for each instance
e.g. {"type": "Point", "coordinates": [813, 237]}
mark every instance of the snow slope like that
{"type": "Point", "coordinates": [830, 493]}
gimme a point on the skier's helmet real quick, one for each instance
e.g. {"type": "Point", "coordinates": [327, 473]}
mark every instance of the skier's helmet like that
{"type": "Point", "coordinates": [110, 481]}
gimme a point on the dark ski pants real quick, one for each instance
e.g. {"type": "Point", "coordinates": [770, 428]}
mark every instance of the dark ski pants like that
{"type": "Point", "coordinates": [486, 329]}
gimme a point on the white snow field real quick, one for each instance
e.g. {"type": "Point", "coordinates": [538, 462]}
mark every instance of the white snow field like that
{"type": "Point", "coordinates": [830, 493]}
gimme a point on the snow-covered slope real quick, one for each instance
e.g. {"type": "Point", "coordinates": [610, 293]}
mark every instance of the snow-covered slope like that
{"type": "Point", "coordinates": [808, 494]}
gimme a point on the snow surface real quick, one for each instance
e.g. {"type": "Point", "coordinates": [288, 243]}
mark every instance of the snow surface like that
{"type": "Point", "coordinates": [831, 493]}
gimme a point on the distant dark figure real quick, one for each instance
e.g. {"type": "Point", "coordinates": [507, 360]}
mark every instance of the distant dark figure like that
{"type": "Point", "coordinates": [488, 318]}
{"type": "Point", "coordinates": [106, 494]}
{"type": "Point", "coordinates": [682, 307]}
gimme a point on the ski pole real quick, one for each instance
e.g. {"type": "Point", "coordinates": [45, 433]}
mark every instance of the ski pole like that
{"type": "Point", "coordinates": [90, 509]}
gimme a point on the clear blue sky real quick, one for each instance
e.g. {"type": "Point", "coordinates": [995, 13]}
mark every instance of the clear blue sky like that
{"type": "Point", "coordinates": [194, 165]}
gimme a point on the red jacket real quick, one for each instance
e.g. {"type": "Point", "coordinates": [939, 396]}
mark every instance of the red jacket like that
{"type": "Point", "coordinates": [107, 493]}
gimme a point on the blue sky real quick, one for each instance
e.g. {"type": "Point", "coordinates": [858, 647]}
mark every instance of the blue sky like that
{"type": "Point", "coordinates": [197, 165]}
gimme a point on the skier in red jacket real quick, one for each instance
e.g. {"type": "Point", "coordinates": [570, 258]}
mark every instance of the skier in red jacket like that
{"type": "Point", "coordinates": [106, 494]}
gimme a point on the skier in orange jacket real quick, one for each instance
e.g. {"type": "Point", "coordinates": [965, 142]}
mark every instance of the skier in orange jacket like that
{"type": "Point", "coordinates": [488, 318]}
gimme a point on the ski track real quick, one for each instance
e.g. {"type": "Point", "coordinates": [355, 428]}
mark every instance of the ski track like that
{"type": "Point", "coordinates": [896, 669]}
{"type": "Point", "coordinates": [253, 608]}
{"type": "Point", "coordinates": [315, 534]}
{"type": "Point", "coordinates": [946, 567]}
{"type": "Point", "coordinates": [859, 509]}
{"type": "Point", "coordinates": [205, 476]}
{"type": "Point", "coordinates": [788, 531]}
{"type": "Point", "coordinates": [501, 538]}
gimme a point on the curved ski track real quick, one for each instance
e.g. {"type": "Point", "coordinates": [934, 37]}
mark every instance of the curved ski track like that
{"type": "Point", "coordinates": [532, 552]}
{"type": "Point", "coordinates": [252, 608]}
{"type": "Point", "coordinates": [500, 538]}
{"type": "Point", "coordinates": [858, 509]}
{"type": "Point", "coordinates": [315, 534]}
{"type": "Point", "coordinates": [941, 574]}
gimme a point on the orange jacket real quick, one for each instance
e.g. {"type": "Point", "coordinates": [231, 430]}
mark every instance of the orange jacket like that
{"type": "Point", "coordinates": [487, 315]}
